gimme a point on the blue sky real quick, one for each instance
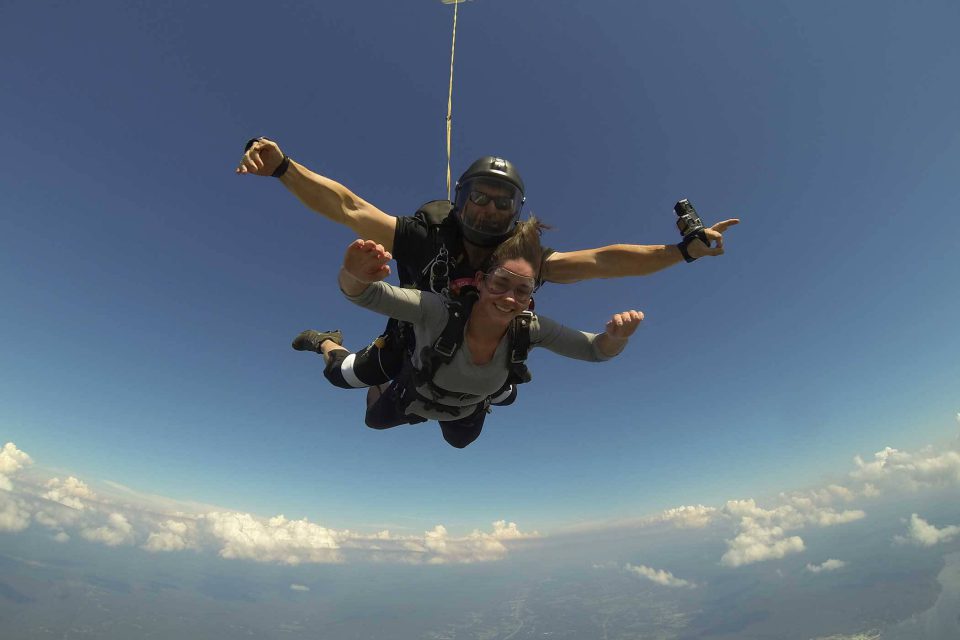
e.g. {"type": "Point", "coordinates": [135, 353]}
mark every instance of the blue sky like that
{"type": "Point", "coordinates": [150, 294]}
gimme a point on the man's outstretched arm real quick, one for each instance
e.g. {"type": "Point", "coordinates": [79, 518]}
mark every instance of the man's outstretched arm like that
{"type": "Point", "coordinates": [619, 260]}
{"type": "Point", "coordinates": [327, 197]}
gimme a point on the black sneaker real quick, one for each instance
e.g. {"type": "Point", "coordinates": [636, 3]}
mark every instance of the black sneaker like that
{"type": "Point", "coordinates": [310, 340]}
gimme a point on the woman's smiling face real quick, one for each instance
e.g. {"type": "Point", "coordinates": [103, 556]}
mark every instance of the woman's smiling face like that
{"type": "Point", "coordinates": [504, 292]}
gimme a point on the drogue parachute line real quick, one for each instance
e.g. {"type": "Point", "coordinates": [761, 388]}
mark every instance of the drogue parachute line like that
{"type": "Point", "coordinates": [453, 47]}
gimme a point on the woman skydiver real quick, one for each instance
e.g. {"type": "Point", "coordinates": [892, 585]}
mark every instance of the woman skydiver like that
{"type": "Point", "coordinates": [458, 390]}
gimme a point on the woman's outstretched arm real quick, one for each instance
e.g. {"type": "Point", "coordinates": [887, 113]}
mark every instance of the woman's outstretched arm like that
{"type": "Point", "coordinates": [364, 267]}
{"type": "Point", "coordinates": [581, 345]}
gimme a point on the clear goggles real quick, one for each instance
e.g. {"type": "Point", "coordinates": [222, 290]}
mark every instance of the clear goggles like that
{"type": "Point", "coordinates": [500, 280]}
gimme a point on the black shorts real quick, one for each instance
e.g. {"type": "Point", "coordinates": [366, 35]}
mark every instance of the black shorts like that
{"type": "Point", "coordinates": [368, 367]}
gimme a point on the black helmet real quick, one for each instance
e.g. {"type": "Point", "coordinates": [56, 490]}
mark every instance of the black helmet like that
{"type": "Point", "coordinates": [489, 179]}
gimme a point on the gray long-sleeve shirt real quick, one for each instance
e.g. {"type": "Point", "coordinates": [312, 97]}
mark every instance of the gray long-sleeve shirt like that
{"type": "Point", "coordinates": [470, 384]}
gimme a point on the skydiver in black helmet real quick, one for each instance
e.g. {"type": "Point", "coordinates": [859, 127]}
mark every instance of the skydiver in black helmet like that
{"type": "Point", "coordinates": [444, 244]}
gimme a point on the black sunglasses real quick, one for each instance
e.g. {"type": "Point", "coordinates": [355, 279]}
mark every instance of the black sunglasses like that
{"type": "Point", "coordinates": [479, 198]}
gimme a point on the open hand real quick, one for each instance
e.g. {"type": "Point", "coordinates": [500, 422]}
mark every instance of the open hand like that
{"type": "Point", "coordinates": [262, 158]}
{"type": "Point", "coordinates": [366, 261]}
{"type": "Point", "coordinates": [697, 249]}
{"type": "Point", "coordinates": [622, 325]}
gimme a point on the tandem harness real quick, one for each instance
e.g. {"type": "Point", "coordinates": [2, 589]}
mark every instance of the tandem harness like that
{"type": "Point", "coordinates": [397, 344]}
{"type": "Point", "coordinates": [444, 246]}
{"type": "Point", "coordinates": [443, 349]}
{"type": "Point", "coordinates": [444, 235]}
{"type": "Point", "coordinates": [442, 253]}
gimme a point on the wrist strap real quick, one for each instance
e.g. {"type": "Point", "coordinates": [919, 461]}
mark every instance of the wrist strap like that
{"type": "Point", "coordinates": [282, 167]}
{"type": "Point", "coordinates": [687, 239]}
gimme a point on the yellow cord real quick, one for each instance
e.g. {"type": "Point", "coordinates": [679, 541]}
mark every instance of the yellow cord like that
{"type": "Point", "coordinates": [453, 46]}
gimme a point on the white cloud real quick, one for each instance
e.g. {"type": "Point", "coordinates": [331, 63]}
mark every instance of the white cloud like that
{"type": "Point", "coordinates": [280, 540]}
{"type": "Point", "coordinates": [70, 492]}
{"type": "Point", "coordinates": [828, 518]}
{"type": "Point", "coordinates": [756, 542]}
{"type": "Point", "coordinates": [11, 461]}
{"type": "Point", "coordinates": [58, 518]}
{"type": "Point", "coordinates": [841, 492]}
{"type": "Point", "coordinates": [894, 469]}
{"type": "Point", "coordinates": [762, 532]}
{"type": "Point", "coordinates": [922, 533]}
{"type": "Point", "coordinates": [117, 531]}
{"type": "Point", "coordinates": [799, 511]}
{"type": "Point", "coordinates": [823, 497]}
{"type": "Point", "coordinates": [829, 565]}
{"type": "Point", "coordinates": [660, 576]}
{"type": "Point", "coordinates": [69, 507]}
{"type": "Point", "coordinates": [688, 517]}
{"type": "Point", "coordinates": [172, 535]}
{"type": "Point", "coordinates": [438, 547]}
{"type": "Point", "coordinates": [14, 515]}
{"type": "Point", "coordinates": [299, 587]}
{"type": "Point", "coordinates": [870, 491]}
{"type": "Point", "coordinates": [503, 530]}
{"type": "Point", "coordinates": [478, 546]}
{"type": "Point", "coordinates": [274, 540]}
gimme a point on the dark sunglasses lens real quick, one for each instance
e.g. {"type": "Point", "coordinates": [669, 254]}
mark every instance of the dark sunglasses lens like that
{"type": "Point", "coordinates": [479, 198]}
{"type": "Point", "coordinates": [503, 203]}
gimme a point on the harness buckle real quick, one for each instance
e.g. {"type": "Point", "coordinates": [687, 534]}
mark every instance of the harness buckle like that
{"type": "Point", "coordinates": [518, 355]}
{"type": "Point", "coordinates": [439, 269]}
{"type": "Point", "coordinates": [445, 347]}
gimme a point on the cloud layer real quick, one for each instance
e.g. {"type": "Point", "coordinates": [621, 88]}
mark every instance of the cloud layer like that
{"type": "Point", "coordinates": [763, 534]}
{"type": "Point", "coordinates": [68, 507]}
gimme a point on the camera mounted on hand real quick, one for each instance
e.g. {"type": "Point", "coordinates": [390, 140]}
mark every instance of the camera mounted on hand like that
{"type": "Point", "coordinates": [690, 226]}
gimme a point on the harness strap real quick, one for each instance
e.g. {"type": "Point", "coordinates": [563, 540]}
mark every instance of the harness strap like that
{"type": "Point", "coordinates": [520, 337]}
{"type": "Point", "coordinates": [519, 349]}
{"type": "Point", "coordinates": [441, 229]}
{"type": "Point", "coordinates": [451, 337]}
{"type": "Point", "coordinates": [448, 342]}
{"type": "Point", "coordinates": [409, 391]}
{"type": "Point", "coordinates": [445, 347]}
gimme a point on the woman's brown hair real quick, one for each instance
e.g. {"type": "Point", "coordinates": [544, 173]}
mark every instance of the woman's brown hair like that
{"type": "Point", "coordinates": [524, 244]}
